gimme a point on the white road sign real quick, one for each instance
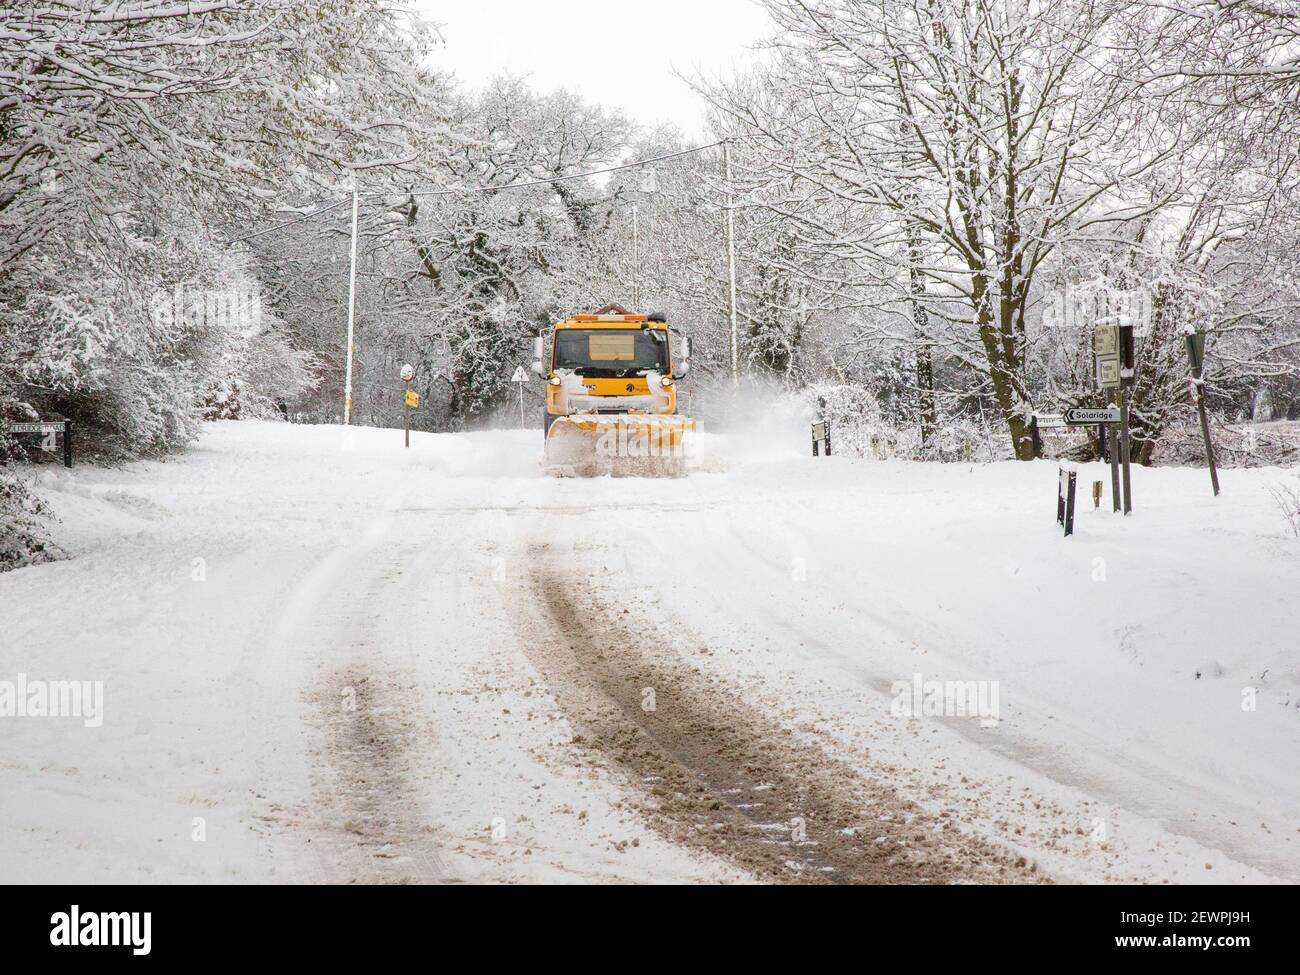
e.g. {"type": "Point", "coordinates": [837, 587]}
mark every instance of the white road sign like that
{"type": "Point", "coordinates": [1105, 343]}
{"type": "Point", "coordinates": [1078, 416]}
{"type": "Point", "coordinates": [519, 376]}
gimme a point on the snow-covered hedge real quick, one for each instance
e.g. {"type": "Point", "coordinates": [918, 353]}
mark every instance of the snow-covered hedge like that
{"type": "Point", "coordinates": [137, 336]}
{"type": "Point", "coordinates": [1247, 444]}
{"type": "Point", "coordinates": [137, 345]}
{"type": "Point", "coordinates": [22, 540]}
{"type": "Point", "coordinates": [860, 428]}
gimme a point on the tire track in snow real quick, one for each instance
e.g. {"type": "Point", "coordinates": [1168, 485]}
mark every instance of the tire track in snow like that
{"type": "Point", "coordinates": [332, 691]}
{"type": "Point", "coordinates": [716, 774]}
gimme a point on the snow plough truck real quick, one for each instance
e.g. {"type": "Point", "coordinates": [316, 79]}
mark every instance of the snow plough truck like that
{"type": "Point", "coordinates": [611, 396]}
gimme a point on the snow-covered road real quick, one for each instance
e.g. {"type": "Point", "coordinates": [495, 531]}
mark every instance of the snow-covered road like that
{"type": "Point", "coordinates": [328, 658]}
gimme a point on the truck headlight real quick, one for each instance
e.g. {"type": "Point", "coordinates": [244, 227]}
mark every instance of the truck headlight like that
{"type": "Point", "coordinates": [555, 380]}
{"type": "Point", "coordinates": [666, 380]}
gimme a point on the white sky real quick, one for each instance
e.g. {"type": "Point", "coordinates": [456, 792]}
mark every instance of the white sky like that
{"type": "Point", "coordinates": [616, 53]}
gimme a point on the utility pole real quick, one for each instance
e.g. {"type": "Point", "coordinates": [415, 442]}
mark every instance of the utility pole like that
{"type": "Point", "coordinates": [636, 263]}
{"type": "Point", "coordinates": [731, 265]}
{"type": "Point", "coordinates": [352, 305]}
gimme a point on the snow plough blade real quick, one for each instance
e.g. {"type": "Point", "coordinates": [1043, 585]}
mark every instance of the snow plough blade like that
{"type": "Point", "coordinates": [623, 445]}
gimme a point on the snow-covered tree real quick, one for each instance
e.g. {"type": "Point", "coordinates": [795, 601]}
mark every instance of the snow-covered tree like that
{"type": "Point", "coordinates": [971, 138]}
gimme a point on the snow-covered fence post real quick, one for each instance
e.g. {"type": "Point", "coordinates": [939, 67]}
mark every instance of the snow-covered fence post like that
{"type": "Point", "coordinates": [1066, 477]}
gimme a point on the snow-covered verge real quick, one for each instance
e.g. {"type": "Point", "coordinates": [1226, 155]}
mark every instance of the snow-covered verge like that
{"type": "Point", "coordinates": [244, 602]}
{"type": "Point", "coordinates": [1147, 669]}
{"type": "Point", "coordinates": [228, 598]}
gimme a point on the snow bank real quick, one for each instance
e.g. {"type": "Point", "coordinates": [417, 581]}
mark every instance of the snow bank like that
{"type": "Point", "coordinates": [1146, 668]}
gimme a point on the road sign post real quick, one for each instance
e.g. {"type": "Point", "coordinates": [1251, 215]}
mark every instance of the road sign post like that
{"type": "Point", "coordinates": [821, 437]}
{"type": "Point", "coordinates": [411, 400]}
{"type": "Point", "coordinates": [1125, 451]}
{"type": "Point", "coordinates": [1196, 355]}
{"type": "Point", "coordinates": [821, 429]}
{"type": "Point", "coordinates": [1113, 436]}
{"type": "Point", "coordinates": [520, 377]}
{"type": "Point", "coordinates": [1127, 379]}
{"type": "Point", "coordinates": [1113, 347]}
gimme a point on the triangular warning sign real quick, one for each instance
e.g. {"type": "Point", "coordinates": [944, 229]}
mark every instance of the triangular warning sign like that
{"type": "Point", "coordinates": [519, 376]}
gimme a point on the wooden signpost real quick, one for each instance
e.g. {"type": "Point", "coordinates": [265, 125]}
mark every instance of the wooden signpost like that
{"type": "Point", "coordinates": [49, 430]}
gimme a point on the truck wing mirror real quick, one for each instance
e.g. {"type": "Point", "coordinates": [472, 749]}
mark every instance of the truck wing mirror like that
{"type": "Point", "coordinates": [683, 363]}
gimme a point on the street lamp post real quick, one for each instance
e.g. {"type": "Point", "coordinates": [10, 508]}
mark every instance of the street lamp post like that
{"type": "Point", "coordinates": [636, 262]}
{"type": "Point", "coordinates": [352, 304]}
{"type": "Point", "coordinates": [731, 265]}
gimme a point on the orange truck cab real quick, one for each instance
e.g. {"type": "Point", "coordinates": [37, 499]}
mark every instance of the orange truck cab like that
{"type": "Point", "coordinates": [612, 365]}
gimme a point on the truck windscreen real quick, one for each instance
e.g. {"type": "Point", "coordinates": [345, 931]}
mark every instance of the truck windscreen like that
{"type": "Point", "coordinates": [611, 352]}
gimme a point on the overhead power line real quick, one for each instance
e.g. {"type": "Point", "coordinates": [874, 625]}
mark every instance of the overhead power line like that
{"type": "Point", "coordinates": [454, 190]}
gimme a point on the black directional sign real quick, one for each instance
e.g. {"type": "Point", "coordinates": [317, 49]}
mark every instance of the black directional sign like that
{"type": "Point", "coordinates": [1078, 416]}
{"type": "Point", "coordinates": [55, 426]}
